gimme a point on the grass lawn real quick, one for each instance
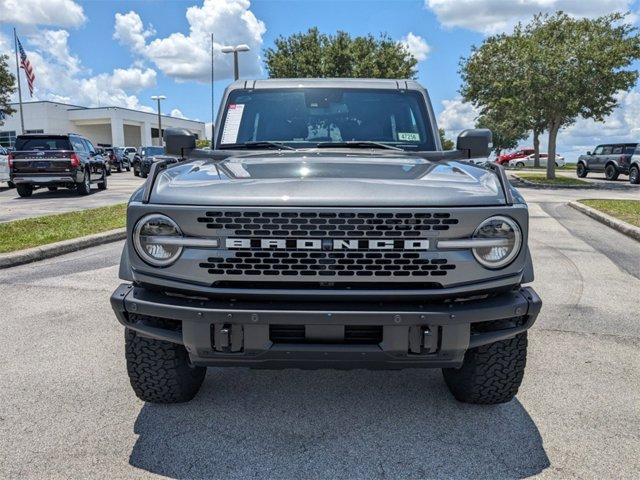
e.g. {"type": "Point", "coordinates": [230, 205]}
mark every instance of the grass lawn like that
{"type": "Point", "coordinates": [542, 180]}
{"type": "Point", "coordinates": [625, 210]}
{"type": "Point", "coordinates": [33, 232]}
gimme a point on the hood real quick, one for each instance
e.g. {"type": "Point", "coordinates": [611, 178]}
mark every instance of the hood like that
{"type": "Point", "coordinates": [327, 178]}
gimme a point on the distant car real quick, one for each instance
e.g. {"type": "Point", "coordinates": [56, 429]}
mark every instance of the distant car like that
{"type": "Point", "coordinates": [118, 159]}
{"type": "Point", "coordinates": [130, 152]}
{"type": "Point", "coordinates": [144, 158]}
{"type": "Point", "coordinates": [529, 161]}
{"type": "Point", "coordinates": [634, 167]}
{"type": "Point", "coordinates": [53, 161]}
{"type": "Point", "coordinates": [612, 159]}
{"type": "Point", "coordinates": [4, 166]}
{"type": "Point", "coordinates": [507, 157]}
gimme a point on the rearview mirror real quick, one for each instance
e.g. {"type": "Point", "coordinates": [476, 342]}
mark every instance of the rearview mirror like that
{"type": "Point", "coordinates": [179, 141]}
{"type": "Point", "coordinates": [476, 141]}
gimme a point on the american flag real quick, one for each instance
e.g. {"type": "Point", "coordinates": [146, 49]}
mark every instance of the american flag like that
{"type": "Point", "coordinates": [25, 64]}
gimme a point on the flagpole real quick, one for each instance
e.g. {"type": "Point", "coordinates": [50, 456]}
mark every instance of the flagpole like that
{"type": "Point", "coordinates": [15, 42]}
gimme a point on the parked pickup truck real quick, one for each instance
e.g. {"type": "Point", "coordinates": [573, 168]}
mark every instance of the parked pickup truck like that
{"type": "Point", "coordinates": [327, 229]}
{"type": "Point", "coordinates": [53, 161]}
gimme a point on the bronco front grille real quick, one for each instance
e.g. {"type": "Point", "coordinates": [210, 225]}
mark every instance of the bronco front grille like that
{"type": "Point", "coordinates": [326, 224]}
{"type": "Point", "coordinates": [341, 264]}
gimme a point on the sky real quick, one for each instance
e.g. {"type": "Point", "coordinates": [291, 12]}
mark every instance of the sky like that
{"type": "Point", "coordinates": [120, 53]}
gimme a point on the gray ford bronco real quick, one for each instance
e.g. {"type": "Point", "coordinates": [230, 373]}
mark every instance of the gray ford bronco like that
{"type": "Point", "coordinates": [326, 229]}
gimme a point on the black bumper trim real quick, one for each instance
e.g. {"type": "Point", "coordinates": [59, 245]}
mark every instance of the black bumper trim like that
{"type": "Point", "coordinates": [452, 320]}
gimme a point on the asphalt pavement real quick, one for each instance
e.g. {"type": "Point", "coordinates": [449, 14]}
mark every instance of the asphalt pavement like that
{"type": "Point", "coordinates": [67, 410]}
{"type": "Point", "coordinates": [44, 202]}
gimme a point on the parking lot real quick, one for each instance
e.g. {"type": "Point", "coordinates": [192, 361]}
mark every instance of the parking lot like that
{"type": "Point", "coordinates": [44, 202]}
{"type": "Point", "coordinates": [67, 411]}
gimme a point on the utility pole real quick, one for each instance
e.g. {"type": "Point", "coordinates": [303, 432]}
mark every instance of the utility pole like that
{"type": "Point", "coordinates": [159, 98]}
{"type": "Point", "coordinates": [213, 104]}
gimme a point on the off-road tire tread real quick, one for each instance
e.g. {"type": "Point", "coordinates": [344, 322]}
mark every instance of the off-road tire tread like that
{"type": "Point", "coordinates": [490, 374]}
{"type": "Point", "coordinates": [159, 371]}
{"type": "Point", "coordinates": [637, 178]}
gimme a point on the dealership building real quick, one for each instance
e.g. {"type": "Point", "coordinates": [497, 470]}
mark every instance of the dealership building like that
{"type": "Point", "coordinates": [104, 126]}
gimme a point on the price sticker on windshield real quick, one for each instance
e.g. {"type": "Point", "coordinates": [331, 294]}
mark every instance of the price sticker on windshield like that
{"type": "Point", "coordinates": [232, 123]}
{"type": "Point", "coordinates": [409, 137]}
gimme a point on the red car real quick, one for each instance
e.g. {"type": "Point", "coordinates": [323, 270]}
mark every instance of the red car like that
{"type": "Point", "coordinates": [507, 157]}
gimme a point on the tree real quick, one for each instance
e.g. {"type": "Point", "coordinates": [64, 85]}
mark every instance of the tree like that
{"type": "Point", "coordinates": [318, 55]}
{"type": "Point", "coordinates": [506, 133]}
{"type": "Point", "coordinates": [446, 143]}
{"type": "Point", "coordinates": [7, 87]}
{"type": "Point", "coordinates": [577, 67]}
{"type": "Point", "coordinates": [543, 75]}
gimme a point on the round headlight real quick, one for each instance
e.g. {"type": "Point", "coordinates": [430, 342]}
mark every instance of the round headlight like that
{"type": "Point", "coordinates": [152, 240]}
{"type": "Point", "coordinates": [509, 235]}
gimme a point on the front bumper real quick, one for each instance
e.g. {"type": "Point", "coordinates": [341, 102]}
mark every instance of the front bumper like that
{"type": "Point", "coordinates": [248, 333]}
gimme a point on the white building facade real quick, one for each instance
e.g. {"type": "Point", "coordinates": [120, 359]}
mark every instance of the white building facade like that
{"type": "Point", "coordinates": [104, 126]}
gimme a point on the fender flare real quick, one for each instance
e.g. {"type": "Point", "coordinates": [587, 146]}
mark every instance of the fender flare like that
{"type": "Point", "coordinates": [125, 265]}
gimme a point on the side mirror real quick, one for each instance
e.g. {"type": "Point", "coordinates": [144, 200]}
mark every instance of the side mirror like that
{"type": "Point", "coordinates": [476, 142]}
{"type": "Point", "coordinates": [179, 141]}
{"type": "Point", "coordinates": [588, 153]}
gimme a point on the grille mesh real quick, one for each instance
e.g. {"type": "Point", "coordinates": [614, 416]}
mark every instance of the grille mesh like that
{"type": "Point", "coordinates": [327, 224]}
{"type": "Point", "coordinates": [342, 264]}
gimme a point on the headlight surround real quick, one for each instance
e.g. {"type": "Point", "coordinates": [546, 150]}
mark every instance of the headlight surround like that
{"type": "Point", "coordinates": [500, 256]}
{"type": "Point", "coordinates": [156, 253]}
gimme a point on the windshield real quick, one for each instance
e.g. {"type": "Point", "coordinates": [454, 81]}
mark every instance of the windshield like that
{"type": "Point", "coordinates": [304, 118]}
{"type": "Point", "coordinates": [153, 151]}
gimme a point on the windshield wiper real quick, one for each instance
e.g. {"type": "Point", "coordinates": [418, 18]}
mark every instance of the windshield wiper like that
{"type": "Point", "coordinates": [357, 144]}
{"type": "Point", "coordinates": [261, 144]}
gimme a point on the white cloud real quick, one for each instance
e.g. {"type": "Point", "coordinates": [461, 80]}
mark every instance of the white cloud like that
{"type": "Point", "coordinates": [63, 13]}
{"type": "Point", "coordinates": [177, 113]}
{"type": "Point", "coordinates": [416, 46]}
{"type": "Point", "coordinates": [61, 77]}
{"type": "Point", "coordinates": [492, 16]}
{"type": "Point", "coordinates": [187, 56]}
{"type": "Point", "coordinates": [456, 116]}
{"type": "Point", "coordinates": [133, 79]}
{"type": "Point", "coordinates": [130, 31]}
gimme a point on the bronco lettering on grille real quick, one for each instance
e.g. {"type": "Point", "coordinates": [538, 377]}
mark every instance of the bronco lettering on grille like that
{"type": "Point", "coordinates": [326, 244]}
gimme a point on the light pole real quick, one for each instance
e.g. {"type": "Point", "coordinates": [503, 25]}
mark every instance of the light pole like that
{"type": "Point", "coordinates": [235, 50]}
{"type": "Point", "coordinates": [159, 98]}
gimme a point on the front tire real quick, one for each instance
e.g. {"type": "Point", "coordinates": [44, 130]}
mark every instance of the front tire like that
{"type": "Point", "coordinates": [102, 185]}
{"type": "Point", "coordinates": [611, 172]}
{"type": "Point", "coordinates": [490, 374]}
{"type": "Point", "coordinates": [634, 175]}
{"type": "Point", "coordinates": [24, 190]}
{"type": "Point", "coordinates": [581, 170]}
{"type": "Point", "coordinates": [519, 165]}
{"type": "Point", "coordinates": [159, 371]}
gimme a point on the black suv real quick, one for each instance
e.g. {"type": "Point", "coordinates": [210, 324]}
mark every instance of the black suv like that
{"type": "Point", "coordinates": [52, 161]}
{"type": "Point", "coordinates": [118, 159]}
{"type": "Point", "coordinates": [145, 157]}
{"type": "Point", "coordinates": [612, 159]}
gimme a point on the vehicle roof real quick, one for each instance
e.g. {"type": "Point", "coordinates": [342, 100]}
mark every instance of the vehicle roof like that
{"type": "Point", "coordinates": [58, 135]}
{"type": "Point", "coordinates": [378, 83]}
{"type": "Point", "coordinates": [626, 144]}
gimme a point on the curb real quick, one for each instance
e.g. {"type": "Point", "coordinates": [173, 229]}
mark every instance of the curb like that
{"type": "Point", "coordinates": [35, 254]}
{"type": "Point", "coordinates": [542, 185]}
{"type": "Point", "coordinates": [622, 227]}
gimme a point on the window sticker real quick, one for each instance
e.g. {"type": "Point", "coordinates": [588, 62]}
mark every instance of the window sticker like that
{"type": "Point", "coordinates": [232, 123]}
{"type": "Point", "coordinates": [409, 137]}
